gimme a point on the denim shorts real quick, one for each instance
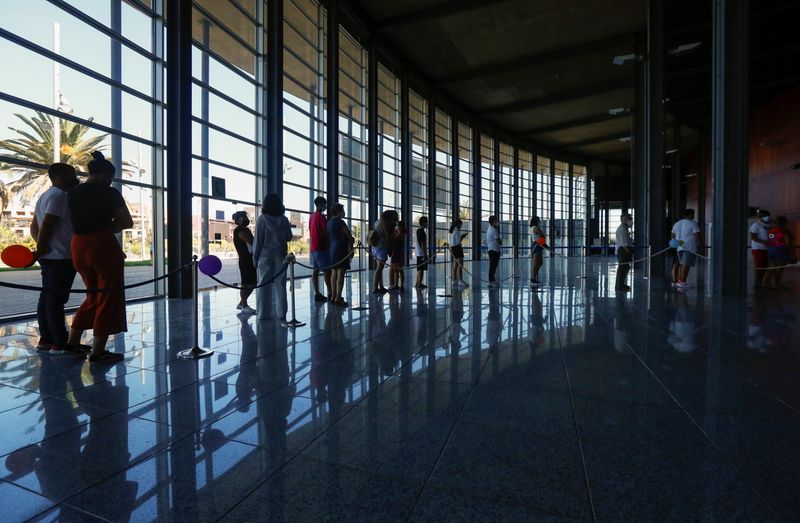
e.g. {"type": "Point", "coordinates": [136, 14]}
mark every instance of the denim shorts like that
{"type": "Point", "coordinates": [319, 260]}
{"type": "Point", "coordinates": [380, 254]}
{"type": "Point", "coordinates": [687, 258]}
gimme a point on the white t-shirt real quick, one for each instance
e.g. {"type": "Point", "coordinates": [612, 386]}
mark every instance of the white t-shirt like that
{"type": "Point", "coordinates": [455, 237]}
{"type": "Point", "coordinates": [762, 233]}
{"type": "Point", "coordinates": [491, 239]}
{"type": "Point", "coordinates": [623, 237]}
{"type": "Point", "coordinates": [54, 201]}
{"type": "Point", "coordinates": [685, 230]}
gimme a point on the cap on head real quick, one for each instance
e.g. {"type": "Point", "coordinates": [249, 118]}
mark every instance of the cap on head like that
{"type": "Point", "coordinates": [762, 213]}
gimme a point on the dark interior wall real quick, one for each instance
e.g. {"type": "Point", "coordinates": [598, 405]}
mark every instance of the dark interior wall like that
{"type": "Point", "coordinates": [774, 148]}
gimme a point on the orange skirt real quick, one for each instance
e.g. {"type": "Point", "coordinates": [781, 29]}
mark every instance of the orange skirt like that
{"type": "Point", "coordinates": [99, 260]}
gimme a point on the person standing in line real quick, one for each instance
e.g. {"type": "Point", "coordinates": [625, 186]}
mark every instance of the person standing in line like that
{"type": "Point", "coordinates": [243, 243]}
{"type": "Point", "coordinates": [318, 230]}
{"type": "Point", "coordinates": [270, 246]}
{"type": "Point", "coordinates": [780, 252]}
{"type": "Point", "coordinates": [624, 252]}
{"type": "Point", "coordinates": [687, 232]}
{"type": "Point", "coordinates": [493, 243]}
{"type": "Point", "coordinates": [341, 242]}
{"type": "Point", "coordinates": [538, 243]}
{"type": "Point", "coordinates": [398, 257]}
{"type": "Point", "coordinates": [457, 250]}
{"type": "Point", "coordinates": [380, 244]}
{"type": "Point", "coordinates": [98, 212]}
{"type": "Point", "coordinates": [421, 252]}
{"type": "Point", "coordinates": [51, 229]}
{"type": "Point", "coordinates": [759, 245]}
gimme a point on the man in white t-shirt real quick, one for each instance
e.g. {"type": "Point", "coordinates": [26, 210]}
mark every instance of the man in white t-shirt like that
{"type": "Point", "coordinates": [52, 230]}
{"type": "Point", "coordinates": [624, 252]}
{"type": "Point", "coordinates": [687, 232]}
{"type": "Point", "coordinates": [759, 242]}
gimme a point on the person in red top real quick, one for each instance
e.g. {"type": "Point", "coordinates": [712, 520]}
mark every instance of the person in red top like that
{"type": "Point", "coordinates": [318, 229]}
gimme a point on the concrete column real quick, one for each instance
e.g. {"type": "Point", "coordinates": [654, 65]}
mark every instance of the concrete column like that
{"type": "Point", "coordinates": [654, 131]}
{"type": "Point", "coordinates": [729, 142]}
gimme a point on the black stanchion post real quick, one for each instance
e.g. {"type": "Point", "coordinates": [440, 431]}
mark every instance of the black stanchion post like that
{"type": "Point", "coordinates": [196, 352]}
{"type": "Point", "coordinates": [293, 322]}
{"type": "Point", "coordinates": [361, 306]}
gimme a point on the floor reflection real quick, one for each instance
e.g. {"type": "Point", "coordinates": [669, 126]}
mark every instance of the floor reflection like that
{"type": "Point", "coordinates": [494, 404]}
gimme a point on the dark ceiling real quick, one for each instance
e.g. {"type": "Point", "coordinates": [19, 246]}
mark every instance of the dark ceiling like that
{"type": "Point", "coordinates": [543, 68]}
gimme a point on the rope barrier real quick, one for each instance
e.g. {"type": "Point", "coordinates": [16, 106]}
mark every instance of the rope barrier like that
{"type": "Point", "coordinates": [333, 265]}
{"type": "Point", "coordinates": [240, 287]}
{"type": "Point", "coordinates": [23, 287]}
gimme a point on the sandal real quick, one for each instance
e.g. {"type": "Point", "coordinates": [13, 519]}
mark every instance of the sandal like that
{"type": "Point", "coordinates": [106, 357]}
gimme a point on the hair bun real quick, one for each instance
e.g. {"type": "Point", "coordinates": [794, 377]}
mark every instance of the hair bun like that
{"type": "Point", "coordinates": [97, 155]}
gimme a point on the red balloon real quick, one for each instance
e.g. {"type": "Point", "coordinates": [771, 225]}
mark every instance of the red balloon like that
{"type": "Point", "coordinates": [17, 256]}
{"type": "Point", "coordinates": [540, 240]}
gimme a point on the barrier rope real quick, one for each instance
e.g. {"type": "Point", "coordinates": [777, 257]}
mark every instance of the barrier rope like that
{"type": "Point", "coordinates": [240, 287]}
{"type": "Point", "coordinates": [23, 287]}
{"type": "Point", "coordinates": [412, 266]}
{"type": "Point", "coordinates": [333, 265]}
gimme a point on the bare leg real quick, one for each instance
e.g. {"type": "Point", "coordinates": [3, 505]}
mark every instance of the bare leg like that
{"type": "Point", "coordinates": [315, 281]}
{"type": "Point", "coordinates": [75, 336]}
{"type": "Point", "coordinates": [377, 278]}
{"type": "Point", "coordinates": [99, 344]}
{"type": "Point", "coordinates": [327, 277]}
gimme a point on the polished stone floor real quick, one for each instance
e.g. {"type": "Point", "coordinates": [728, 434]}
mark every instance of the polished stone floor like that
{"type": "Point", "coordinates": [486, 404]}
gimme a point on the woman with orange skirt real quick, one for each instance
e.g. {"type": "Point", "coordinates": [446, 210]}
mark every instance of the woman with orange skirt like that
{"type": "Point", "coordinates": [98, 212]}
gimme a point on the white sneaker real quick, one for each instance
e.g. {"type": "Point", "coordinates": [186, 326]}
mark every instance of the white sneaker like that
{"type": "Point", "coordinates": [246, 309]}
{"type": "Point", "coordinates": [683, 285]}
{"type": "Point", "coordinates": [239, 306]}
{"type": "Point", "coordinates": [55, 351]}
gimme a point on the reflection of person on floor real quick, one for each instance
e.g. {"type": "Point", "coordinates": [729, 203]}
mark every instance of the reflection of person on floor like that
{"type": "Point", "coordinates": [621, 322]}
{"type": "Point", "coordinates": [63, 466]}
{"type": "Point", "coordinates": [246, 380]}
{"type": "Point", "coordinates": [536, 323]}
{"type": "Point", "coordinates": [456, 317]}
{"type": "Point", "coordinates": [494, 321]}
{"type": "Point", "coordinates": [683, 326]}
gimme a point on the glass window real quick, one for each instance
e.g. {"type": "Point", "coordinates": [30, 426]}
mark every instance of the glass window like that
{"type": "Point", "coordinates": [444, 177]}
{"type": "Point", "coordinates": [579, 216]}
{"type": "Point", "coordinates": [544, 193]}
{"type": "Point", "coordinates": [560, 232]}
{"type": "Point", "coordinates": [487, 178]}
{"type": "Point", "coordinates": [526, 196]}
{"type": "Point", "coordinates": [352, 173]}
{"type": "Point", "coordinates": [506, 190]}
{"type": "Point", "coordinates": [418, 128]}
{"type": "Point", "coordinates": [466, 196]}
{"type": "Point", "coordinates": [304, 118]}
{"type": "Point", "coordinates": [389, 141]}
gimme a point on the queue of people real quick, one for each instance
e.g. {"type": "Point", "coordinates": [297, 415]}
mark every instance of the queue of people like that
{"type": "Point", "coordinates": [75, 226]}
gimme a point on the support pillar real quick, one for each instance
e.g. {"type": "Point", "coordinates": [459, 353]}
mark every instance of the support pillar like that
{"type": "Point", "coordinates": [274, 153]}
{"type": "Point", "coordinates": [373, 174]}
{"type": "Point", "coordinates": [432, 218]}
{"type": "Point", "coordinates": [729, 120]}
{"type": "Point", "coordinates": [654, 131]}
{"type": "Point", "coordinates": [332, 99]}
{"type": "Point", "coordinates": [639, 154]}
{"type": "Point", "coordinates": [515, 236]}
{"type": "Point", "coordinates": [477, 176]}
{"type": "Point", "coordinates": [676, 204]}
{"type": "Point", "coordinates": [179, 152]}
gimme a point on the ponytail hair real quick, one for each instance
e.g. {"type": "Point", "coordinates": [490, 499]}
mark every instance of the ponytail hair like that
{"type": "Point", "coordinates": [100, 166]}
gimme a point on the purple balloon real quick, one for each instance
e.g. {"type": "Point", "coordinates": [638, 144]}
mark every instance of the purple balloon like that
{"type": "Point", "coordinates": [209, 265]}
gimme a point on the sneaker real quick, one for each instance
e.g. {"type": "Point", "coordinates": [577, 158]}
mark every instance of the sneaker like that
{"type": "Point", "coordinates": [55, 350]}
{"type": "Point", "coordinates": [106, 357]}
{"type": "Point", "coordinates": [239, 306]}
{"type": "Point", "coordinates": [247, 310]}
{"type": "Point", "coordinates": [463, 284]}
{"type": "Point", "coordinates": [44, 346]}
{"type": "Point", "coordinates": [285, 323]}
{"type": "Point", "coordinates": [683, 285]}
{"type": "Point", "coordinates": [320, 297]}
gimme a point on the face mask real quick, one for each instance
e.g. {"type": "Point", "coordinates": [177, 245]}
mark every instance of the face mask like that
{"type": "Point", "coordinates": [765, 219]}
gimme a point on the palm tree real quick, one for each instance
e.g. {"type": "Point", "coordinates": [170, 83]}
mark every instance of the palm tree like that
{"type": "Point", "coordinates": [35, 144]}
